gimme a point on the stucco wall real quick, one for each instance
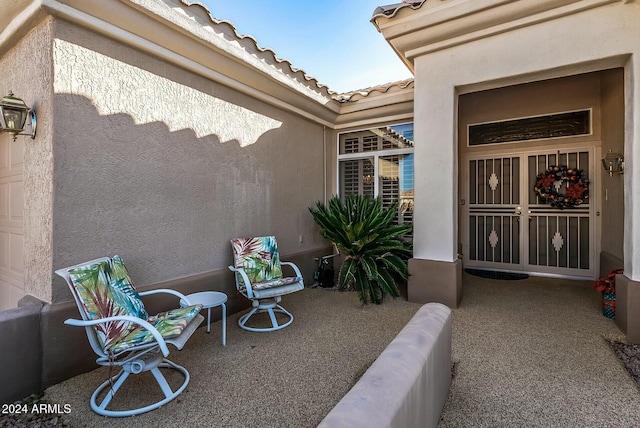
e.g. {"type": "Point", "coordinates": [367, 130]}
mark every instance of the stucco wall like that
{"type": "Point", "coordinates": [531, 99]}
{"type": "Point", "coordinates": [164, 167]}
{"type": "Point", "coordinates": [612, 188]}
{"type": "Point", "coordinates": [27, 71]}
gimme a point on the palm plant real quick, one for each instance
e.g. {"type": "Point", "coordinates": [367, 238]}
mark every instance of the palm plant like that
{"type": "Point", "coordinates": [375, 253]}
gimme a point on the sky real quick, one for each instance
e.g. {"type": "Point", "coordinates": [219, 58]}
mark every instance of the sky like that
{"type": "Point", "coordinates": [331, 40]}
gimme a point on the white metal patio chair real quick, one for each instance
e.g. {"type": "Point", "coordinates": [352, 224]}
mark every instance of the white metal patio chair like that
{"type": "Point", "coordinates": [259, 278]}
{"type": "Point", "coordinates": [121, 332]}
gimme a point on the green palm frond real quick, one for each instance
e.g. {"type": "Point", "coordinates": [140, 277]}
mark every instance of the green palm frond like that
{"type": "Point", "coordinates": [388, 283]}
{"type": "Point", "coordinates": [394, 263]}
{"type": "Point", "coordinates": [364, 231]}
{"type": "Point", "coordinates": [346, 276]}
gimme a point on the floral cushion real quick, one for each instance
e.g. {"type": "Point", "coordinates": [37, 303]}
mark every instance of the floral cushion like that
{"type": "Point", "coordinates": [169, 324]}
{"type": "Point", "coordinates": [106, 290]}
{"type": "Point", "coordinates": [275, 282]}
{"type": "Point", "coordinates": [258, 257]}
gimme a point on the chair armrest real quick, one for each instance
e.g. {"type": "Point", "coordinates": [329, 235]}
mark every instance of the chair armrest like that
{"type": "Point", "coordinates": [165, 291]}
{"type": "Point", "coordinates": [245, 278]}
{"type": "Point", "coordinates": [295, 268]}
{"type": "Point", "coordinates": [143, 323]}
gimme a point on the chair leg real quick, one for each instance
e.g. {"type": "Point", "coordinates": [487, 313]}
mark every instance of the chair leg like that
{"type": "Point", "coordinates": [154, 367]}
{"type": "Point", "coordinates": [164, 385]}
{"type": "Point", "coordinates": [270, 307]}
{"type": "Point", "coordinates": [272, 315]}
{"type": "Point", "coordinates": [117, 382]}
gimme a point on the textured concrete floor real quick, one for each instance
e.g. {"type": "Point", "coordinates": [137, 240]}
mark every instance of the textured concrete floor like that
{"type": "Point", "coordinates": [287, 378]}
{"type": "Point", "coordinates": [532, 353]}
{"type": "Point", "coordinates": [528, 353]}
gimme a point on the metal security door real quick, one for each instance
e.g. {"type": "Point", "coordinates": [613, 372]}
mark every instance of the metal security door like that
{"type": "Point", "coordinates": [494, 237]}
{"type": "Point", "coordinates": [560, 241]}
{"type": "Point", "coordinates": [507, 227]}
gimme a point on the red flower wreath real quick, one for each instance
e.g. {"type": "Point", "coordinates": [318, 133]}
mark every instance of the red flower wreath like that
{"type": "Point", "coordinates": [572, 180]}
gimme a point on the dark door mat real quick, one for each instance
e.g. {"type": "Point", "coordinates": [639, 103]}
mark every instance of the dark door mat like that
{"type": "Point", "coordinates": [492, 274]}
{"type": "Point", "coordinates": [629, 356]}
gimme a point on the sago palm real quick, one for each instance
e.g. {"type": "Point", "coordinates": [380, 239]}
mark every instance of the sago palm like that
{"type": "Point", "coordinates": [364, 232]}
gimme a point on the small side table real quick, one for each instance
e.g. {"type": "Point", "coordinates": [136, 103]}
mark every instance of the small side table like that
{"type": "Point", "coordinates": [208, 300]}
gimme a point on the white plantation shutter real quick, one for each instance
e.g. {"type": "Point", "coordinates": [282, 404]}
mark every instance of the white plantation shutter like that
{"type": "Point", "coordinates": [369, 143]}
{"type": "Point", "coordinates": [379, 162]}
{"type": "Point", "coordinates": [350, 145]}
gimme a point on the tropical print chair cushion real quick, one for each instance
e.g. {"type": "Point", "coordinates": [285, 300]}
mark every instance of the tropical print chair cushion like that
{"type": "Point", "coordinates": [275, 282]}
{"type": "Point", "coordinates": [169, 324]}
{"type": "Point", "coordinates": [258, 257]}
{"type": "Point", "coordinates": [106, 290]}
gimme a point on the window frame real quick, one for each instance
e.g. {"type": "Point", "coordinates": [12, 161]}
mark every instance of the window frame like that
{"type": "Point", "coordinates": [371, 154]}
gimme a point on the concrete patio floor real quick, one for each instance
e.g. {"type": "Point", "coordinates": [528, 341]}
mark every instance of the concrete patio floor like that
{"type": "Point", "coordinates": [533, 353]}
{"type": "Point", "coordinates": [527, 353]}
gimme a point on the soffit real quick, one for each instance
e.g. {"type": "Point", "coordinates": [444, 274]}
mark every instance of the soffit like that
{"type": "Point", "coordinates": [420, 28]}
{"type": "Point", "coordinates": [17, 18]}
{"type": "Point", "coordinates": [10, 9]}
{"type": "Point", "coordinates": [185, 33]}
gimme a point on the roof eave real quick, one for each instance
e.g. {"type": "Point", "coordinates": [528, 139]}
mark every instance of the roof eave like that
{"type": "Point", "coordinates": [432, 26]}
{"type": "Point", "coordinates": [189, 38]}
{"type": "Point", "coordinates": [391, 105]}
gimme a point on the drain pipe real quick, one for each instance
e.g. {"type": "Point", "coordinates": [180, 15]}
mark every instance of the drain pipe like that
{"type": "Point", "coordinates": [324, 162]}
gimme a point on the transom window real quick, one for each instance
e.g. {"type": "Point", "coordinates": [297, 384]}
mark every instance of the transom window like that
{"type": "Point", "coordinates": [379, 162]}
{"type": "Point", "coordinates": [531, 128]}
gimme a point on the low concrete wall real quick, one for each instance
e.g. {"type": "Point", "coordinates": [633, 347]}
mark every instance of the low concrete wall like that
{"type": "Point", "coordinates": [408, 384]}
{"type": "Point", "coordinates": [627, 302]}
{"type": "Point", "coordinates": [39, 350]}
{"type": "Point", "coordinates": [21, 352]}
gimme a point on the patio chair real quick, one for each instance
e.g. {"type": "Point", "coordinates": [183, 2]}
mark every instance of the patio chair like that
{"type": "Point", "coordinates": [121, 332]}
{"type": "Point", "coordinates": [259, 278]}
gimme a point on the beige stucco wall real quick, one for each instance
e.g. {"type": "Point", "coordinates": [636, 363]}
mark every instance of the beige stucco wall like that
{"type": "Point", "coordinates": [27, 71]}
{"type": "Point", "coordinates": [531, 99]}
{"type": "Point", "coordinates": [163, 166]}
{"type": "Point", "coordinates": [612, 188]}
{"type": "Point", "coordinates": [521, 55]}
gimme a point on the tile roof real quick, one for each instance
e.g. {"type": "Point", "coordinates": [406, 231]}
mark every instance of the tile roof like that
{"type": "Point", "coordinates": [380, 89]}
{"type": "Point", "coordinates": [296, 73]}
{"type": "Point", "coordinates": [390, 11]}
{"type": "Point", "coordinates": [391, 135]}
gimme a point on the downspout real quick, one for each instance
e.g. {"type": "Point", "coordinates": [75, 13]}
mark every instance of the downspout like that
{"type": "Point", "coordinates": [324, 161]}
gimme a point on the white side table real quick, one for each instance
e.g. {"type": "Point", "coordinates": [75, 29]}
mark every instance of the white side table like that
{"type": "Point", "coordinates": [208, 300]}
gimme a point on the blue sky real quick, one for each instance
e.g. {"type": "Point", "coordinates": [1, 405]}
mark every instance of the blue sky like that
{"type": "Point", "coordinates": [331, 40]}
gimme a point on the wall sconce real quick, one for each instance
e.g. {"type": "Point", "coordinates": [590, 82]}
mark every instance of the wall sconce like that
{"type": "Point", "coordinates": [13, 117]}
{"type": "Point", "coordinates": [367, 179]}
{"type": "Point", "coordinates": [613, 163]}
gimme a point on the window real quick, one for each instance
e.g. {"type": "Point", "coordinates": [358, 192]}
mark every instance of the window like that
{"type": "Point", "coordinates": [379, 162]}
{"type": "Point", "coordinates": [531, 128]}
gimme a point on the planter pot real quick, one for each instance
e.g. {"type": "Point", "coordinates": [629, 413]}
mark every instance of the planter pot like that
{"type": "Point", "coordinates": [609, 305]}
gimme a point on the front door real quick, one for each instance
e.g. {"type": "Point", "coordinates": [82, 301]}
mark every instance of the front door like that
{"type": "Point", "coordinates": [508, 227]}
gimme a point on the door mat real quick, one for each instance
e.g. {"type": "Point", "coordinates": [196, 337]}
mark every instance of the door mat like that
{"type": "Point", "coordinates": [492, 274]}
{"type": "Point", "coordinates": [629, 356]}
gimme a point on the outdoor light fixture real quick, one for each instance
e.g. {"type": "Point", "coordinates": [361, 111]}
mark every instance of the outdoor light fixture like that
{"type": "Point", "coordinates": [613, 163]}
{"type": "Point", "coordinates": [367, 179]}
{"type": "Point", "coordinates": [13, 117]}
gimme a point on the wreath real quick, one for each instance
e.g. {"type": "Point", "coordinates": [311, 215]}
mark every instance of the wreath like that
{"type": "Point", "coordinates": [555, 179]}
